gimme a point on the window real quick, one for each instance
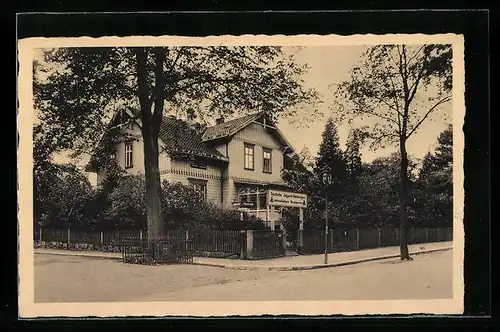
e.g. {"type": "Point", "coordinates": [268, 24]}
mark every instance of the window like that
{"type": "Point", "coordinates": [201, 188]}
{"type": "Point", "coordinates": [267, 156]}
{"type": "Point", "coordinates": [249, 156]}
{"type": "Point", "coordinates": [128, 155]}
{"type": "Point", "coordinates": [253, 198]}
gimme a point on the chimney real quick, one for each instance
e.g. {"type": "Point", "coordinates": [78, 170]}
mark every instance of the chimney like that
{"type": "Point", "coordinates": [219, 120]}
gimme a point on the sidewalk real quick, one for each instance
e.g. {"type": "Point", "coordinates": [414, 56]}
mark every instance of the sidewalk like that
{"type": "Point", "coordinates": [290, 263]}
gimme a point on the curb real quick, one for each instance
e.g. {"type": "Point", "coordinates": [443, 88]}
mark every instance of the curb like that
{"type": "Point", "coordinates": [318, 266]}
{"type": "Point", "coordinates": [75, 254]}
{"type": "Point", "coordinates": [269, 268]}
{"type": "Point", "coordinates": [352, 262]}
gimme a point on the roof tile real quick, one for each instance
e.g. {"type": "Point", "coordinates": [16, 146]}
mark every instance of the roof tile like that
{"type": "Point", "coordinates": [179, 137]}
{"type": "Point", "coordinates": [226, 128]}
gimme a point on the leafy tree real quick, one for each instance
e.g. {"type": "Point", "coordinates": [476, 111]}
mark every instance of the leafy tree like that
{"type": "Point", "coordinates": [127, 208]}
{"type": "Point", "coordinates": [181, 205]}
{"type": "Point", "coordinates": [377, 202]}
{"type": "Point", "coordinates": [82, 84]}
{"type": "Point", "coordinates": [434, 187]}
{"type": "Point", "coordinates": [300, 175]}
{"type": "Point", "coordinates": [297, 171]}
{"type": "Point", "coordinates": [397, 87]}
{"type": "Point", "coordinates": [62, 197]}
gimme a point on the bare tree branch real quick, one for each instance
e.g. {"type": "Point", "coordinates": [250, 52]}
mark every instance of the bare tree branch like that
{"type": "Point", "coordinates": [364, 109]}
{"type": "Point", "coordinates": [416, 53]}
{"type": "Point", "coordinates": [203, 80]}
{"type": "Point", "coordinates": [414, 87]}
{"type": "Point", "coordinates": [179, 54]}
{"type": "Point", "coordinates": [446, 99]}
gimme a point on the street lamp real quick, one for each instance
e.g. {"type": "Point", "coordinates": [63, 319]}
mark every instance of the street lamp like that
{"type": "Point", "coordinates": [327, 180]}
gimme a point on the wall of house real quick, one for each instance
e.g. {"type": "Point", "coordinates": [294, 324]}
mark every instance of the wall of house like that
{"type": "Point", "coordinates": [261, 138]}
{"type": "Point", "coordinates": [181, 171]}
{"type": "Point", "coordinates": [221, 148]}
{"type": "Point", "coordinates": [255, 134]}
{"type": "Point", "coordinates": [138, 153]}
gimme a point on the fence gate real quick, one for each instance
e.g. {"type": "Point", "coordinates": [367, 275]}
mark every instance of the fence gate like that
{"type": "Point", "coordinates": [267, 244]}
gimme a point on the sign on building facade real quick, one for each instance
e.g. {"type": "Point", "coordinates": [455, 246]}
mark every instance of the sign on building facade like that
{"type": "Point", "coordinates": [283, 198]}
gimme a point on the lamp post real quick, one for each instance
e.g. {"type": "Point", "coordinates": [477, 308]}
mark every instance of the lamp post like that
{"type": "Point", "coordinates": [327, 180]}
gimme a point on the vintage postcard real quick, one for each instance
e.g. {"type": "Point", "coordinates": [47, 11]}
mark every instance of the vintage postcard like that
{"type": "Point", "coordinates": [241, 175]}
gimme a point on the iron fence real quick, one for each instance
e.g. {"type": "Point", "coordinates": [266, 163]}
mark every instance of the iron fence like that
{"type": "Point", "coordinates": [216, 242]}
{"type": "Point", "coordinates": [169, 250]}
{"type": "Point", "coordinates": [356, 239]}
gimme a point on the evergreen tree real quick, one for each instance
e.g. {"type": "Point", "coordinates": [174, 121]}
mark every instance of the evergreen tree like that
{"type": "Point", "coordinates": [444, 150]}
{"type": "Point", "coordinates": [434, 187]}
{"type": "Point", "coordinates": [330, 156]}
{"type": "Point", "coordinates": [330, 160]}
{"type": "Point", "coordinates": [352, 154]}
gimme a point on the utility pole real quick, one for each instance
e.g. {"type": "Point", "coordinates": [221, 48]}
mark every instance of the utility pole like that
{"type": "Point", "coordinates": [327, 180]}
{"type": "Point", "coordinates": [326, 227]}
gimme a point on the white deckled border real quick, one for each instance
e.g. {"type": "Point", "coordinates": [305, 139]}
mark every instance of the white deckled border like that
{"type": "Point", "coordinates": [29, 309]}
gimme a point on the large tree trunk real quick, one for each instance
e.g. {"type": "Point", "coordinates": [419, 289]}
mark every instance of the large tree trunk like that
{"type": "Point", "coordinates": [151, 120]}
{"type": "Point", "coordinates": [403, 238]}
{"type": "Point", "coordinates": [153, 187]}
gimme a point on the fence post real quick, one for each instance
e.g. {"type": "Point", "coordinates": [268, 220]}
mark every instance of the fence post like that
{"type": "Point", "coordinates": [379, 237]}
{"type": "Point", "coordinates": [102, 238]}
{"type": "Point", "coordinates": [330, 241]}
{"type": "Point", "coordinates": [69, 237]}
{"type": "Point", "coordinates": [357, 238]}
{"type": "Point", "coordinates": [40, 236]}
{"type": "Point", "coordinates": [249, 244]}
{"type": "Point", "coordinates": [140, 234]}
{"type": "Point", "coordinates": [426, 235]}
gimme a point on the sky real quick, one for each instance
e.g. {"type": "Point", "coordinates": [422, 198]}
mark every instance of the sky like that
{"type": "Point", "coordinates": [330, 65]}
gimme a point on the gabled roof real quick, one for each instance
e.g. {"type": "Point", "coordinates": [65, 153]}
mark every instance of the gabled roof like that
{"type": "Point", "coordinates": [229, 127]}
{"type": "Point", "coordinates": [179, 137]}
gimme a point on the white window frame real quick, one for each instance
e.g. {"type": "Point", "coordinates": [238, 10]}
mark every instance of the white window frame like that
{"type": "Point", "coordinates": [264, 151]}
{"type": "Point", "coordinates": [129, 155]}
{"type": "Point", "coordinates": [247, 164]}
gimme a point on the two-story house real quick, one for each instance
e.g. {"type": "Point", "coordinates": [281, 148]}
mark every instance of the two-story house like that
{"type": "Point", "coordinates": [234, 161]}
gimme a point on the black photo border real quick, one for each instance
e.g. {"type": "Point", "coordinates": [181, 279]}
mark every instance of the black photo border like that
{"type": "Point", "coordinates": [473, 24]}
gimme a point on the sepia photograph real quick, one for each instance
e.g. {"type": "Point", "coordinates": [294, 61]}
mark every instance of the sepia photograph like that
{"type": "Point", "coordinates": [241, 175]}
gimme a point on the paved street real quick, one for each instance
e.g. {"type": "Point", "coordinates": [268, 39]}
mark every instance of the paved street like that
{"type": "Point", "coordinates": [78, 279]}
